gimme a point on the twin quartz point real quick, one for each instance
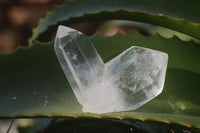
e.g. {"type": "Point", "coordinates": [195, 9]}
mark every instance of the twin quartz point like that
{"type": "Point", "coordinates": [125, 83]}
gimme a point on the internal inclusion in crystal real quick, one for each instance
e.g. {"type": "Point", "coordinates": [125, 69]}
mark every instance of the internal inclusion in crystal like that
{"type": "Point", "coordinates": [125, 83]}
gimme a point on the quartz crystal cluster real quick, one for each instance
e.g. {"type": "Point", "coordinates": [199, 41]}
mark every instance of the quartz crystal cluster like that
{"type": "Point", "coordinates": [125, 83]}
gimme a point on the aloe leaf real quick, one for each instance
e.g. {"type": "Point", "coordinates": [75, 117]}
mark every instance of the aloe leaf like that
{"type": "Point", "coordinates": [77, 11]}
{"type": "Point", "coordinates": [110, 28]}
{"type": "Point", "coordinates": [110, 126]}
{"type": "Point", "coordinates": [32, 83]}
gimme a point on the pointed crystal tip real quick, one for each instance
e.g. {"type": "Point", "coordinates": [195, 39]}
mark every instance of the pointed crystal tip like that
{"type": "Point", "coordinates": [64, 31]}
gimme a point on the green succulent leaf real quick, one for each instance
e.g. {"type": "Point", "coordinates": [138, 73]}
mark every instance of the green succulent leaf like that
{"type": "Point", "coordinates": [110, 126]}
{"type": "Point", "coordinates": [151, 11]}
{"type": "Point", "coordinates": [32, 83]}
{"type": "Point", "coordinates": [129, 27]}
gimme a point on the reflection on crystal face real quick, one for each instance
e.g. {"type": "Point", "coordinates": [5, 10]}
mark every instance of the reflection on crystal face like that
{"type": "Point", "coordinates": [125, 83]}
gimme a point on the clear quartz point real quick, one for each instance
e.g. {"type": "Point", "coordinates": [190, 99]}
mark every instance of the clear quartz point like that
{"type": "Point", "coordinates": [125, 83]}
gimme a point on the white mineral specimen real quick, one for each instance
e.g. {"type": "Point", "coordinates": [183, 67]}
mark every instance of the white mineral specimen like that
{"type": "Point", "coordinates": [125, 83]}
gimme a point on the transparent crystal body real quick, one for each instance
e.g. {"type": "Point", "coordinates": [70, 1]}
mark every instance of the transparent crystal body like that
{"type": "Point", "coordinates": [125, 83]}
